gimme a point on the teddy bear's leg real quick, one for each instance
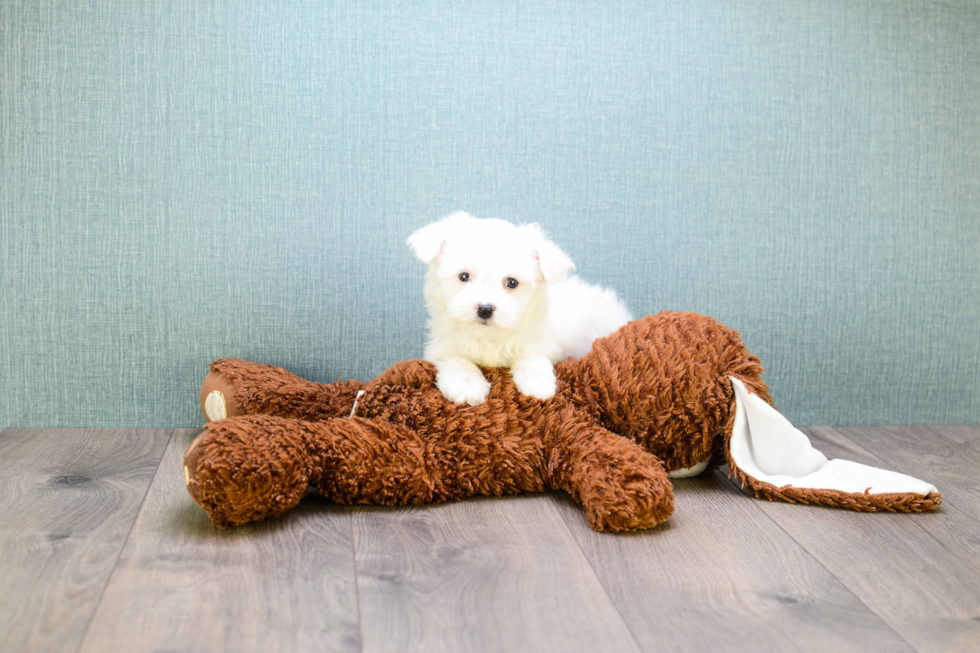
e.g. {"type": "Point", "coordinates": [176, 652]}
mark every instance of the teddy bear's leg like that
{"type": "Point", "coordinates": [621, 486]}
{"type": "Point", "coordinates": [249, 468]}
{"type": "Point", "coordinates": [253, 467]}
{"type": "Point", "coordinates": [235, 387]}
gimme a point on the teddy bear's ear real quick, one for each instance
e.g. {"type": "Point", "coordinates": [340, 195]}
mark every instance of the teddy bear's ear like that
{"type": "Point", "coordinates": [553, 263]}
{"type": "Point", "coordinates": [427, 243]}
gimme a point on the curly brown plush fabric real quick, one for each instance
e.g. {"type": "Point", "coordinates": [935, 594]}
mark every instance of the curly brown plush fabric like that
{"type": "Point", "coordinates": [652, 398]}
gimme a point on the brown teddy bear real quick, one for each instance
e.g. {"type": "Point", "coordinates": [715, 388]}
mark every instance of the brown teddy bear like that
{"type": "Point", "coordinates": [673, 394]}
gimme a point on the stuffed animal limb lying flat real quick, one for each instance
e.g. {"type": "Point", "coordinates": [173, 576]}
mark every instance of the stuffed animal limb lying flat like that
{"type": "Point", "coordinates": [673, 394]}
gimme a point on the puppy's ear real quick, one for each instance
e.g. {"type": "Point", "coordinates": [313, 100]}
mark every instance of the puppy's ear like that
{"type": "Point", "coordinates": [427, 242]}
{"type": "Point", "coordinates": [553, 263]}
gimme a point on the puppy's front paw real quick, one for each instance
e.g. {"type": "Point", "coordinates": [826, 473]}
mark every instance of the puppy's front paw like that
{"type": "Point", "coordinates": [535, 377]}
{"type": "Point", "coordinates": [463, 386]}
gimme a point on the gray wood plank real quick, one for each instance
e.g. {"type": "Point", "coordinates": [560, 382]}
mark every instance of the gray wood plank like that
{"type": "Point", "coordinates": [919, 572]}
{"type": "Point", "coordinates": [182, 584]}
{"type": "Point", "coordinates": [959, 432]}
{"type": "Point", "coordinates": [721, 576]}
{"type": "Point", "coordinates": [924, 452]}
{"type": "Point", "coordinates": [487, 574]}
{"type": "Point", "coordinates": [68, 498]}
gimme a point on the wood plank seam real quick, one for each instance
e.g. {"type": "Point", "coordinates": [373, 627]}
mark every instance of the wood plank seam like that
{"type": "Point", "coordinates": [98, 604]}
{"type": "Point", "coordinates": [605, 590]}
{"type": "Point", "coordinates": [842, 581]}
{"type": "Point", "coordinates": [445, 577]}
{"type": "Point", "coordinates": [884, 460]}
{"type": "Point", "coordinates": [182, 584]}
{"type": "Point", "coordinates": [951, 432]}
{"type": "Point", "coordinates": [357, 582]}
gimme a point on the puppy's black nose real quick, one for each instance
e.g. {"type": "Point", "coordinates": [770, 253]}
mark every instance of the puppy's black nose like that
{"type": "Point", "coordinates": [484, 311]}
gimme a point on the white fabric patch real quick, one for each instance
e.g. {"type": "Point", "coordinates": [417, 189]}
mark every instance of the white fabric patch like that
{"type": "Point", "coordinates": [688, 472]}
{"type": "Point", "coordinates": [768, 448]}
{"type": "Point", "coordinates": [214, 406]}
{"type": "Point", "coordinates": [360, 393]}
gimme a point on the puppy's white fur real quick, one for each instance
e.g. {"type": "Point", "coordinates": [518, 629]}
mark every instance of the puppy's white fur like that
{"type": "Point", "coordinates": [546, 318]}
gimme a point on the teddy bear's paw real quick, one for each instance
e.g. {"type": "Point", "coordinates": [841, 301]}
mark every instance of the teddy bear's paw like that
{"type": "Point", "coordinates": [247, 469]}
{"type": "Point", "coordinates": [645, 509]}
{"type": "Point", "coordinates": [214, 406]}
{"type": "Point", "coordinates": [463, 387]}
{"type": "Point", "coordinates": [218, 398]}
{"type": "Point", "coordinates": [535, 377]}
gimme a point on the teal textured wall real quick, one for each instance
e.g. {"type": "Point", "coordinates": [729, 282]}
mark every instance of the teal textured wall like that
{"type": "Point", "coordinates": [183, 181]}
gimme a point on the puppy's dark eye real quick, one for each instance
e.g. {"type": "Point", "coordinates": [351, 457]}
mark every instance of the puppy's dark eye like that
{"type": "Point", "coordinates": [511, 282]}
{"type": "Point", "coordinates": [464, 276]}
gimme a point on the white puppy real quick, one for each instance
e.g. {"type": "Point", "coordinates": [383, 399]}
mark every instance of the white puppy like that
{"type": "Point", "coordinates": [498, 296]}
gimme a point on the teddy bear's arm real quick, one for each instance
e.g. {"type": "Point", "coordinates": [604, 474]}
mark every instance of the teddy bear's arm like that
{"type": "Point", "coordinates": [235, 387]}
{"type": "Point", "coordinates": [620, 485]}
{"type": "Point", "coordinates": [376, 462]}
{"type": "Point", "coordinates": [253, 467]}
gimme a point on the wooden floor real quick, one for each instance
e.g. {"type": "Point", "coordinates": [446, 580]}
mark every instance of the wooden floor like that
{"type": "Point", "coordinates": [101, 549]}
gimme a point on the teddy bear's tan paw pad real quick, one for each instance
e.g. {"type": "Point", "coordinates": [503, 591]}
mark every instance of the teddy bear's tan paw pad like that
{"type": "Point", "coordinates": [214, 406]}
